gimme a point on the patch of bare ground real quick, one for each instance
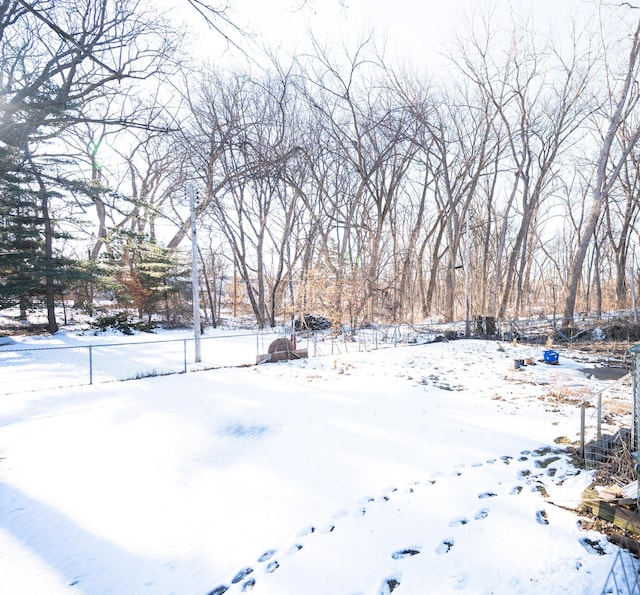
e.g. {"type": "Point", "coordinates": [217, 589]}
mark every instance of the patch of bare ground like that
{"type": "Point", "coordinates": [566, 395]}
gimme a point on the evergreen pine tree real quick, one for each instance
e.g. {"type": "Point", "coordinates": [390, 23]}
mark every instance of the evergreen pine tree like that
{"type": "Point", "coordinates": [22, 267]}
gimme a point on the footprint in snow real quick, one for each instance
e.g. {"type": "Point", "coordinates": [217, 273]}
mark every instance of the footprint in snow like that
{"type": "Point", "coordinates": [445, 547]}
{"type": "Point", "coordinates": [267, 556]}
{"type": "Point", "coordinates": [593, 547]}
{"type": "Point", "coordinates": [366, 500]}
{"type": "Point", "coordinates": [541, 517]}
{"type": "Point", "coordinates": [272, 567]}
{"type": "Point", "coordinates": [307, 531]}
{"type": "Point", "coordinates": [389, 585]}
{"type": "Point", "coordinates": [405, 553]}
{"type": "Point", "coordinates": [241, 575]}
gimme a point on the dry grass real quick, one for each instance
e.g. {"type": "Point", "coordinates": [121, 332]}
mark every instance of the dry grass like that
{"type": "Point", "coordinates": [619, 468]}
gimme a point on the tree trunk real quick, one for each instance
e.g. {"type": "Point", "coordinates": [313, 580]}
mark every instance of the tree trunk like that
{"type": "Point", "coordinates": [48, 247]}
{"type": "Point", "coordinates": [603, 184]}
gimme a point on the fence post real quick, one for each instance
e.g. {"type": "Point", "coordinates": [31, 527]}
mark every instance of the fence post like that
{"type": "Point", "coordinates": [90, 364]}
{"type": "Point", "coordinates": [582, 425]}
{"type": "Point", "coordinates": [185, 355]}
{"type": "Point", "coordinates": [599, 424]}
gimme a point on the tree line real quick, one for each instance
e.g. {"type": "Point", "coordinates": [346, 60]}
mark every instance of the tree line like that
{"type": "Point", "coordinates": [330, 181]}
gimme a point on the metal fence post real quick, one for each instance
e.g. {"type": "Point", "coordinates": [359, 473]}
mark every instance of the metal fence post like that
{"type": "Point", "coordinates": [599, 424]}
{"type": "Point", "coordinates": [185, 355]}
{"type": "Point", "coordinates": [90, 364]}
{"type": "Point", "coordinates": [583, 409]}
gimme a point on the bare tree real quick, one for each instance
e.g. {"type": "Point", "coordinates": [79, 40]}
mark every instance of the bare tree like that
{"type": "Point", "coordinates": [620, 220]}
{"type": "Point", "coordinates": [240, 143]}
{"type": "Point", "coordinates": [609, 165]}
{"type": "Point", "coordinates": [57, 57]}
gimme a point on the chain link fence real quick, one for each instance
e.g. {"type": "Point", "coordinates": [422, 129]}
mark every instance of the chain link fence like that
{"type": "Point", "coordinates": [36, 368]}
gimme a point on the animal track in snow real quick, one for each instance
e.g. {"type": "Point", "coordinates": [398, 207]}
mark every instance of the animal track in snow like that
{"type": "Point", "coordinates": [389, 585]}
{"type": "Point", "coordinates": [445, 547]}
{"type": "Point", "coordinates": [307, 531]}
{"type": "Point", "coordinates": [593, 547]}
{"type": "Point", "coordinates": [529, 476]}
{"type": "Point", "coordinates": [405, 553]}
{"type": "Point", "coordinates": [267, 556]}
{"type": "Point", "coordinates": [272, 567]}
{"type": "Point", "coordinates": [241, 575]}
{"type": "Point", "coordinates": [541, 517]}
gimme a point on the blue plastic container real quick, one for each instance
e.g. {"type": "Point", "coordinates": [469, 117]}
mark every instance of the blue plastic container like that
{"type": "Point", "coordinates": [550, 356]}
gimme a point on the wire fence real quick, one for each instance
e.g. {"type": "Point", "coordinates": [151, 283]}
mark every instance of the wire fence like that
{"type": "Point", "coordinates": [607, 417]}
{"type": "Point", "coordinates": [36, 368]}
{"type": "Point", "coordinates": [33, 368]}
{"type": "Point", "coordinates": [607, 433]}
{"type": "Point", "coordinates": [624, 577]}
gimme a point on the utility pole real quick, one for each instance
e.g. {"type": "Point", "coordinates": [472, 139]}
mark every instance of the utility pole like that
{"type": "Point", "coordinates": [194, 275]}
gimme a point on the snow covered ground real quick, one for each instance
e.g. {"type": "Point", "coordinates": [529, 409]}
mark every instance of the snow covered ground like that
{"type": "Point", "coordinates": [421, 469]}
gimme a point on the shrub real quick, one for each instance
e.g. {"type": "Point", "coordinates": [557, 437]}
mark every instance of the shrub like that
{"type": "Point", "coordinates": [122, 323]}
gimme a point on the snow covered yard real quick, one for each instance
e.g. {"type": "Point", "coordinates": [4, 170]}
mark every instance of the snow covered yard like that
{"type": "Point", "coordinates": [423, 469]}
